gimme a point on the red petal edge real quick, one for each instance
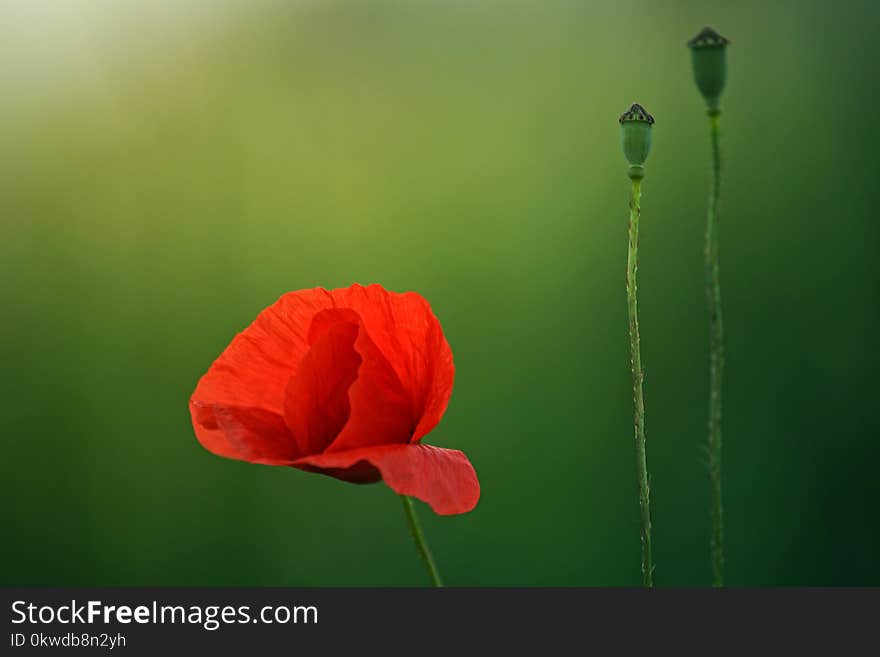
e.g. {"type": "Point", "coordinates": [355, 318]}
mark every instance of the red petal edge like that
{"type": "Point", "coordinates": [442, 478]}
{"type": "Point", "coordinates": [409, 335]}
{"type": "Point", "coordinates": [316, 400]}
{"type": "Point", "coordinates": [239, 432]}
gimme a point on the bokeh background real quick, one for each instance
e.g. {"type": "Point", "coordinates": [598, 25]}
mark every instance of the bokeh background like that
{"type": "Point", "coordinates": [169, 168]}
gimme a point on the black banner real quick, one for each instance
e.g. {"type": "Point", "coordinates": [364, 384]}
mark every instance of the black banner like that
{"type": "Point", "coordinates": [150, 621]}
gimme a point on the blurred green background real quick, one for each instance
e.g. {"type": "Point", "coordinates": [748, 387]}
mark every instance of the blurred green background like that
{"type": "Point", "coordinates": [168, 169]}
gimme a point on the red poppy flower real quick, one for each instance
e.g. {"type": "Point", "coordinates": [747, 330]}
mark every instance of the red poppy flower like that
{"type": "Point", "coordinates": [345, 383]}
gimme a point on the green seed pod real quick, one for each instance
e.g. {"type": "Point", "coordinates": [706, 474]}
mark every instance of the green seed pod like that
{"type": "Point", "coordinates": [709, 57]}
{"type": "Point", "coordinates": [635, 138]}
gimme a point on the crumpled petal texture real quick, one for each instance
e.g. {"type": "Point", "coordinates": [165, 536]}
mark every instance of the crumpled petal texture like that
{"type": "Point", "coordinates": [343, 382]}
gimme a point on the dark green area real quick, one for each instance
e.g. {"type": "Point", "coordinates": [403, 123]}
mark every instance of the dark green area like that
{"type": "Point", "coordinates": [469, 151]}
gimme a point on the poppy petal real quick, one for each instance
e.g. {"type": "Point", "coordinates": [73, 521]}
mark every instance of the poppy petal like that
{"type": "Point", "coordinates": [441, 377]}
{"type": "Point", "coordinates": [316, 402]}
{"type": "Point", "coordinates": [381, 409]}
{"type": "Point", "coordinates": [443, 478]}
{"type": "Point", "coordinates": [408, 334]}
{"type": "Point", "coordinates": [253, 371]}
{"type": "Point", "coordinates": [245, 433]}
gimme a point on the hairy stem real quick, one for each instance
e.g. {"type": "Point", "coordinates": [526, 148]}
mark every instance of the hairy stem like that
{"type": "Point", "coordinates": [716, 356]}
{"type": "Point", "coordinates": [632, 266]}
{"type": "Point", "coordinates": [419, 538]}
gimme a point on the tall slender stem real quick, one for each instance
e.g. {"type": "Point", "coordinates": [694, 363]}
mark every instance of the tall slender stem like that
{"type": "Point", "coordinates": [716, 355]}
{"type": "Point", "coordinates": [419, 538]}
{"type": "Point", "coordinates": [632, 266]}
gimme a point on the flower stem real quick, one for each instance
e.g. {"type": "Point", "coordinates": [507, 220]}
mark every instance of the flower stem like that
{"type": "Point", "coordinates": [419, 538]}
{"type": "Point", "coordinates": [716, 355]}
{"type": "Point", "coordinates": [632, 266]}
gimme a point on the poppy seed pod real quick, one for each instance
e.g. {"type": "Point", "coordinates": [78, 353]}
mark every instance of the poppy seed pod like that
{"type": "Point", "coordinates": [635, 138]}
{"type": "Point", "coordinates": [709, 57]}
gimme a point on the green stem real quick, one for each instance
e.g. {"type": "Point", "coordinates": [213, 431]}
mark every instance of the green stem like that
{"type": "Point", "coordinates": [419, 538]}
{"type": "Point", "coordinates": [632, 266]}
{"type": "Point", "coordinates": [716, 355]}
